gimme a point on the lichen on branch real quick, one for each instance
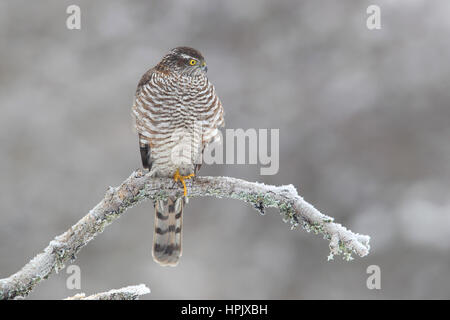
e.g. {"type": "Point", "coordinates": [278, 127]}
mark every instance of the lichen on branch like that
{"type": "Point", "coordinates": [126, 293]}
{"type": "Point", "coordinates": [141, 186]}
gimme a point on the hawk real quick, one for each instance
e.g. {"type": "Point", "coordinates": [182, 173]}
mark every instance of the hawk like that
{"type": "Point", "coordinates": [177, 114]}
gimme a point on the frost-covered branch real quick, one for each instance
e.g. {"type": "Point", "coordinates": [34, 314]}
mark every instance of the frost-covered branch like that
{"type": "Point", "coordinates": [127, 293]}
{"type": "Point", "coordinates": [140, 186]}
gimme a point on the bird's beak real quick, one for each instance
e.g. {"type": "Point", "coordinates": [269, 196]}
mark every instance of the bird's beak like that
{"type": "Point", "coordinates": [204, 67]}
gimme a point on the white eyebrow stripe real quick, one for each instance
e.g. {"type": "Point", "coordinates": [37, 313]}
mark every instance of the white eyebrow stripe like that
{"type": "Point", "coordinates": [187, 56]}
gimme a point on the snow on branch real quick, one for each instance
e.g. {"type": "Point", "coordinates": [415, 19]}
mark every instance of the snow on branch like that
{"type": "Point", "coordinates": [140, 186]}
{"type": "Point", "coordinates": [127, 293]}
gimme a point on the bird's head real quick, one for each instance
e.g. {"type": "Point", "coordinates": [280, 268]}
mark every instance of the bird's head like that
{"type": "Point", "coordinates": [185, 61]}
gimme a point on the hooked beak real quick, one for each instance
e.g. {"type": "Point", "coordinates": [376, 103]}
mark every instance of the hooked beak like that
{"type": "Point", "coordinates": [204, 67]}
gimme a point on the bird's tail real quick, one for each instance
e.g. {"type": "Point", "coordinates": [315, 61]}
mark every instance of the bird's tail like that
{"type": "Point", "coordinates": [167, 235]}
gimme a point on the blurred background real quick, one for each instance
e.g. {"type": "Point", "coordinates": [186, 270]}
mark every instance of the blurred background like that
{"type": "Point", "coordinates": [364, 119]}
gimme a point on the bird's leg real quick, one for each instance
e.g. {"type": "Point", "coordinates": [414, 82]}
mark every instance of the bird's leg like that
{"type": "Point", "coordinates": [178, 177]}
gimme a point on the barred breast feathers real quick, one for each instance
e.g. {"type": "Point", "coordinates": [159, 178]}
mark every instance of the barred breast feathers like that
{"type": "Point", "coordinates": [164, 103]}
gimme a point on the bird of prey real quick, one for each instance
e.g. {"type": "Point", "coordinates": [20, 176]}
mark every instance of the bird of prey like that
{"type": "Point", "coordinates": [177, 114]}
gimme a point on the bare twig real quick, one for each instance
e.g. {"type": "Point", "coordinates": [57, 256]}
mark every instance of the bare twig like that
{"type": "Point", "coordinates": [127, 293]}
{"type": "Point", "coordinates": [140, 186]}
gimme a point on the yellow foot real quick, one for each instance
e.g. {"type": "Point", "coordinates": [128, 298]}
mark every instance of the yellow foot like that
{"type": "Point", "coordinates": [178, 177]}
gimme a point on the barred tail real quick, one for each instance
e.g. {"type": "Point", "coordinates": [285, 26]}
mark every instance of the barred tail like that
{"type": "Point", "coordinates": [167, 235]}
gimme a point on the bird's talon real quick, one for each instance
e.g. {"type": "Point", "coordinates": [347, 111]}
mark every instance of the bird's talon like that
{"type": "Point", "coordinates": [178, 177]}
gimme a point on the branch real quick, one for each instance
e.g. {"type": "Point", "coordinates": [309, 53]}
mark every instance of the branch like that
{"type": "Point", "coordinates": [140, 186]}
{"type": "Point", "coordinates": [127, 293]}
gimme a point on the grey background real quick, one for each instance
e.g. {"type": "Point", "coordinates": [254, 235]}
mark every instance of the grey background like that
{"type": "Point", "coordinates": [364, 121]}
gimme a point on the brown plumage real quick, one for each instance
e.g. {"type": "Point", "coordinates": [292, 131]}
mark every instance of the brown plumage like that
{"type": "Point", "coordinates": [177, 114]}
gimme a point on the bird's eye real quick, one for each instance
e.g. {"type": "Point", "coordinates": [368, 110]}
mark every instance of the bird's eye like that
{"type": "Point", "coordinates": [192, 62]}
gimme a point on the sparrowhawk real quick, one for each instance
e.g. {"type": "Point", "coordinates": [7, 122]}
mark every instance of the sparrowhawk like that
{"type": "Point", "coordinates": [177, 115]}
